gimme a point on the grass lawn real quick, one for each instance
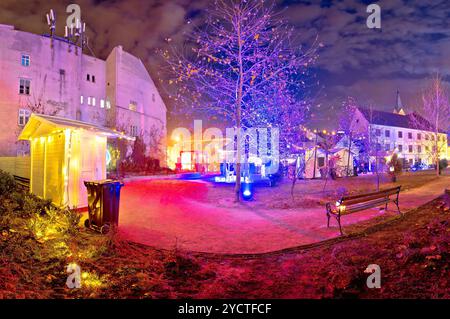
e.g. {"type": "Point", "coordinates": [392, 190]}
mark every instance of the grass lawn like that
{"type": "Point", "coordinates": [311, 193]}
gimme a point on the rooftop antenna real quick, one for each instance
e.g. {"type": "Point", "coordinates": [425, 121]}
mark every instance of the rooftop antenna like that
{"type": "Point", "coordinates": [51, 22]}
{"type": "Point", "coordinates": [75, 33]}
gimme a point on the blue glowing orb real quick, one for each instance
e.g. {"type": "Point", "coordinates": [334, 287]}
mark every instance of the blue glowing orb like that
{"type": "Point", "coordinates": [247, 191]}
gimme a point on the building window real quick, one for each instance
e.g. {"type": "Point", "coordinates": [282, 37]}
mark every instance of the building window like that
{"type": "Point", "coordinates": [24, 116]}
{"type": "Point", "coordinates": [400, 148]}
{"type": "Point", "coordinates": [93, 79]}
{"type": "Point", "coordinates": [25, 61]}
{"type": "Point", "coordinates": [427, 149]}
{"type": "Point", "coordinates": [400, 134]}
{"type": "Point", "coordinates": [387, 147]}
{"type": "Point", "coordinates": [93, 101]}
{"type": "Point", "coordinates": [410, 148]}
{"type": "Point", "coordinates": [387, 133]}
{"type": "Point", "coordinates": [427, 137]}
{"type": "Point", "coordinates": [133, 106]}
{"type": "Point", "coordinates": [153, 97]}
{"type": "Point", "coordinates": [89, 100]}
{"type": "Point", "coordinates": [321, 161]}
{"type": "Point", "coordinates": [134, 130]}
{"type": "Point", "coordinates": [81, 99]}
{"type": "Point", "coordinates": [378, 132]}
{"type": "Point", "coordinates": [102, 103]}
{"type": "Point", "coordinates": [378, 147]}
{"type": "Point", "coordinates": [88, 77]}
{"type": "Point", "coordinates": [410, 135]}
{"type": "Point", "coordinates": [432, 137]}
{"type": "Point", "coordinates": [419, 149]}
{"type": "Point", "coordinates": [108, 104]}
{"type": "Point", "coordinates": [410, 161]}
{"type": "Point", "coordinates": [24, 86]}
{"type": "Point", "coordinates": [419, 136]}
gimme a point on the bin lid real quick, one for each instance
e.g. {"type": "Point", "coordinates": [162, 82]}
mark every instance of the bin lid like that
{"type": "Point", "coordinates": [102, 182]}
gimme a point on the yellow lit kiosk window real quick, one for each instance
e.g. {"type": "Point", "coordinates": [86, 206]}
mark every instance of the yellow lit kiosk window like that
{"type": "Point", "coordinates": [64, 154]}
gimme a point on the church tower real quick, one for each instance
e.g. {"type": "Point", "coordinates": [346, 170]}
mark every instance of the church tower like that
{"type": "Point", "coordinates": [399, 107]}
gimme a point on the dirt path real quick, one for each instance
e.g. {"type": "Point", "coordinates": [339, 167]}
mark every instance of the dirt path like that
{"type": "Point", "coordinates": [169, 213]}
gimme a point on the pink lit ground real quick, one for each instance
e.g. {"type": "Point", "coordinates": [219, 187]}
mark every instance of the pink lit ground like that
{"type": "Point", "coordinates": [165, 213]}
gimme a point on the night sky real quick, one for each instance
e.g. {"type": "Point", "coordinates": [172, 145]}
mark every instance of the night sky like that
{"type": "Point", "coordinates": [369, 64]}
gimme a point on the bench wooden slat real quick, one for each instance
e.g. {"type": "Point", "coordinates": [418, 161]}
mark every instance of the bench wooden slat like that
{"type": "Point", "coordinates": [23, 182]}
{"type": "Point", "coordinates": [388, 190]}
{"type": "Point", "coordinates": [356, 203]}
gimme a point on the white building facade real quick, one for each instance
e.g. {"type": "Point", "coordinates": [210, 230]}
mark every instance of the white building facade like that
{"type": "Point", "coordinates": [40, 74]}
{"type": "Point", "coordinates": [394, 132]}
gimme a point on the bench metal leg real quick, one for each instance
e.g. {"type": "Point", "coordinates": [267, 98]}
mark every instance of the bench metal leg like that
{"type": "Point", "coordinates": [339, 222]}
{"type": "Point", "coordinates": [328, 214]}
{"type": "Point", "coordinates": [396, 203]}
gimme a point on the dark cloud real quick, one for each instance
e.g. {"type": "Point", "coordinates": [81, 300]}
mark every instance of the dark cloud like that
{"type": "Point", "coordinates": [368, 64]}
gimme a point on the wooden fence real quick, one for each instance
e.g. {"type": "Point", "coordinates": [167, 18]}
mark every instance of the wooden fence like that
{"type": "Point", "coordinates": [19, 166]}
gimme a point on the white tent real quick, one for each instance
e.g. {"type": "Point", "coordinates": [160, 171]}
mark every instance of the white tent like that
{"type": "Point", "coordinates": [64, 154]}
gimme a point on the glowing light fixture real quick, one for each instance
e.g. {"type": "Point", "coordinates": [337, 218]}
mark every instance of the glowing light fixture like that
{"type": "Point", "coordinates": [247, 191]}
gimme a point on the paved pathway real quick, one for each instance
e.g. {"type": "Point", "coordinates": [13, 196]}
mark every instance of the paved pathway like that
{"type": "Point", "coordinates": [165, 213]}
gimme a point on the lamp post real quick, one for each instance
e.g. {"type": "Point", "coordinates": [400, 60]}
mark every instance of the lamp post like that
{"type": "Point", "coordinates": [349, 150]}
{"type": "Point", "coordinates": [315, 153]}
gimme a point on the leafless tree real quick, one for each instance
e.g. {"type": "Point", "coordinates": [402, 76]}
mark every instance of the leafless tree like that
{"type": "Point", "coordinates": [433, 117]}
{"type": "Point", "coordinates": [244, 66]}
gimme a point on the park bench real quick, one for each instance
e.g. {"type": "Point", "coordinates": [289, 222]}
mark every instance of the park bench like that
{"type": "Point", "coordinates": [22, 182]}
{"type": "Point", "coordinates": [351, 204]}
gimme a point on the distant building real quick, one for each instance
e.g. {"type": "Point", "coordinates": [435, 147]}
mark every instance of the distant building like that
{"type": "Point", "coordinates": [51, 76]}
{"type": "Point", "coordinates": [395, 132]}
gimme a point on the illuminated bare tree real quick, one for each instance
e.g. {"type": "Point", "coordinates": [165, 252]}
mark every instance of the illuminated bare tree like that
{"type": "Point", "coordinates": [349, 107]}
{"type": "Point", "coordinates": [434, 117]}
{"type": "Point", "coordinates": [243, 66]}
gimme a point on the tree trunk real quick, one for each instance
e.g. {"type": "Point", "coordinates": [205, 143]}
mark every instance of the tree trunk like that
{"type": "Point", "coordinates": [349, 150]}
{"type": "Point", "coordinates": [238, 112]}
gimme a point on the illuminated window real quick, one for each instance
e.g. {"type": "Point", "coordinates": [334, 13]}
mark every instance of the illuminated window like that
{"type": "Point", "coordinates": [102, 103]}
{"type": "Point", "coordinates": [108, 104]}
{"type": "Point", "coordinates": [134, 130]}
{"type": "Point", "coordinates": [93, 101]}
{"type": "Point", "coordinates": [81, 99]}
{"type": "Point", "coordinates": [89, 100]}
{"type": "Point", "coordinates": [24, 86]}
{"type": "Point", "coordinates": [133, 106]}
{"type": "Point", "coordinates": [25, 61]}
{"type": "Point", "coordinates": [24, 116]}
{"type": "Point", "coordinates": [321, 161]}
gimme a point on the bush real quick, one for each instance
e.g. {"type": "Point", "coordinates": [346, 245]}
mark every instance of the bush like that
{"type": "Point", "coordinates": [7, 183]}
